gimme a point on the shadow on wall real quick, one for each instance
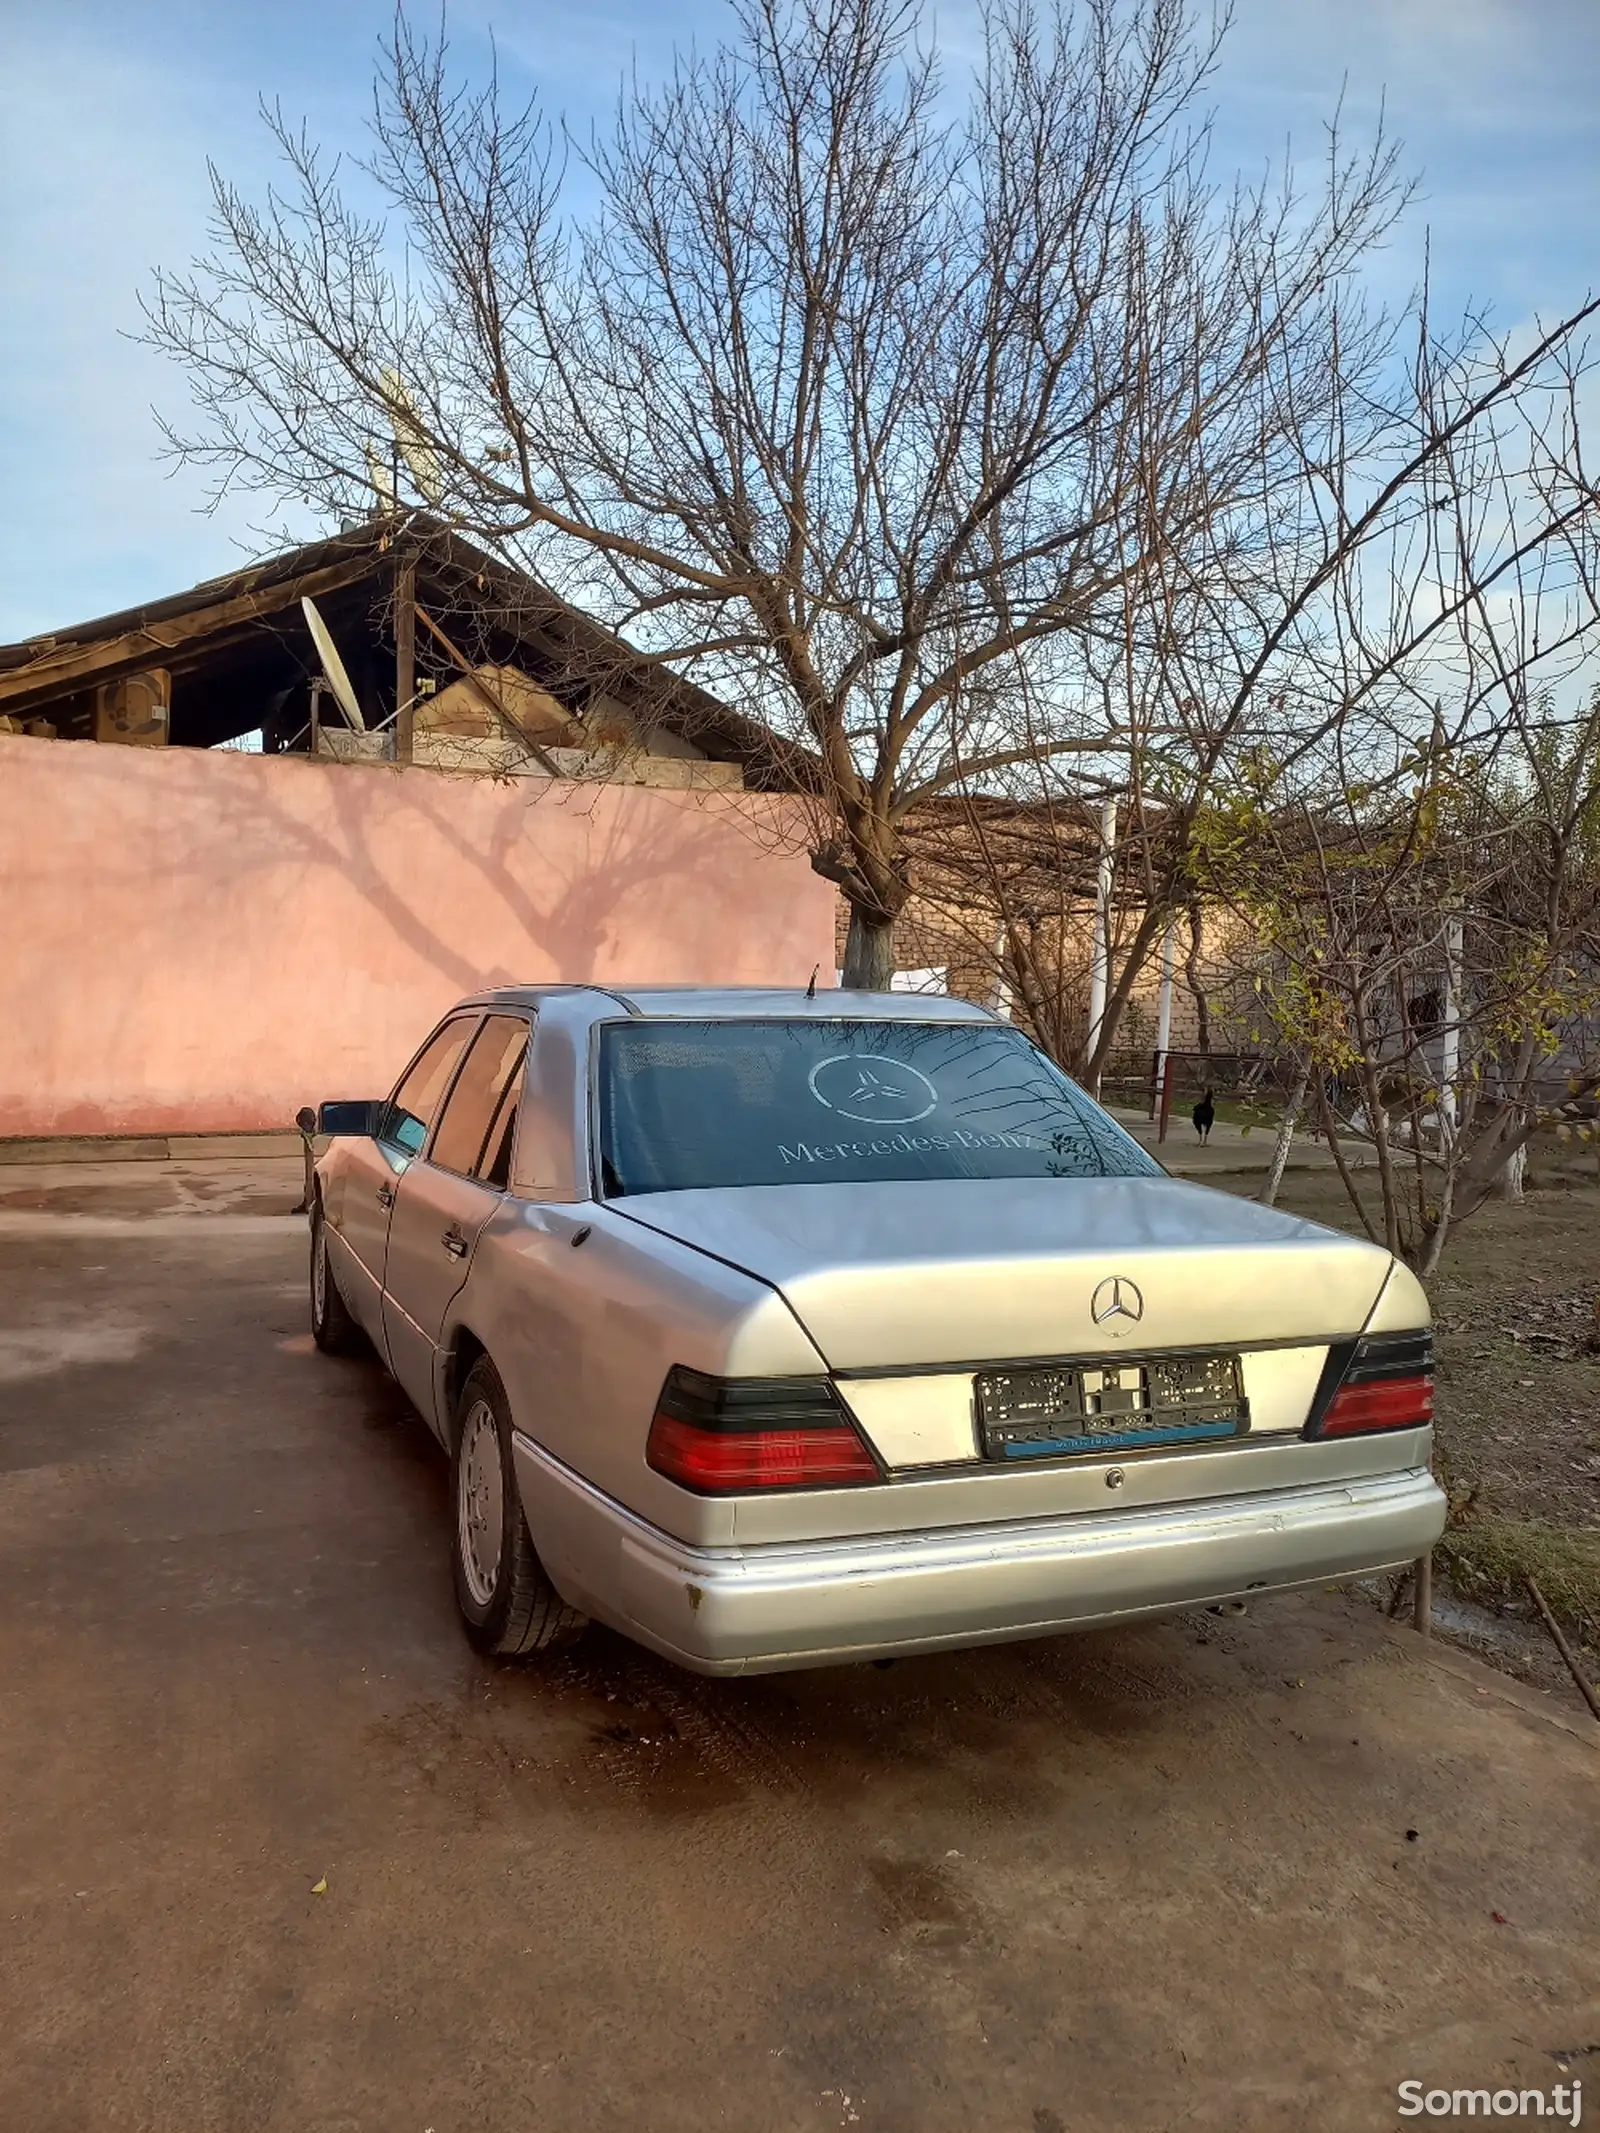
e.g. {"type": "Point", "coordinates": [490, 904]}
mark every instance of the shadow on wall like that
{"type": "Point", "coordinates": [564, 897]}
{"type": "Point", "coordinates": [213, 938]}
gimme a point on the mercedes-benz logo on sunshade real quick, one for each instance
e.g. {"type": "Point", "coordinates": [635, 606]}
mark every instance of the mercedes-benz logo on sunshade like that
{"type": "Point", "coordinates": [872, 1089]}
{"type": "Point", "coordinates": [1117, 1297]}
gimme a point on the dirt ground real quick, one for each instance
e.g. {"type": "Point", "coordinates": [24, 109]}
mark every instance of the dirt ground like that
{"type": "Point", "coordinates": [1518, 1436]}
{"type": "Point", "coordinates": [280, 1853]}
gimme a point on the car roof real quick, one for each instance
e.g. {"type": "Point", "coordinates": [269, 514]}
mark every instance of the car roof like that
{"type": "Point", "coordinates": [734, 1002]}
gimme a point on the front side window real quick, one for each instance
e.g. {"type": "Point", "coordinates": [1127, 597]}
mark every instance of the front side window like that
{"type": "Point", "coordinates": [690, 1104]}
{"type": "Point", "coordinates": [409, 1112]}
{"type": "Point", "coordinates": [479, 1092]}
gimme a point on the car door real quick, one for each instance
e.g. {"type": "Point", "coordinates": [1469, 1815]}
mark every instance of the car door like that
{"type": "Point", "coordinates": [444, 1198]}
{"type": "Point", "coordinates": [360, 1212]}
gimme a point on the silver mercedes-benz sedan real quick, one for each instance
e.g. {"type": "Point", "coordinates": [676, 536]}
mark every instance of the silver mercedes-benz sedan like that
{"type": "Point", "coordinates": [777, 1331]}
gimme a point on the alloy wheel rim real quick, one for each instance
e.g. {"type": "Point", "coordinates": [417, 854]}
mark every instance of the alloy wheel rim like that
{"type": "Point", "coordinates": [480, 1503]}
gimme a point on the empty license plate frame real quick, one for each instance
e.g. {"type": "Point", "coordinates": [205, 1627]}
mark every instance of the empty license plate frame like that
{"type": "Point", "coordinates": [1074, 1410]}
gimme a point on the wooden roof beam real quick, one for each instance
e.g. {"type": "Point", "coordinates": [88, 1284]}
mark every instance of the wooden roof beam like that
{"type": "Point", "coordinates": [67, 668]}
{"type": "Point", "coordinates": [508, 720]}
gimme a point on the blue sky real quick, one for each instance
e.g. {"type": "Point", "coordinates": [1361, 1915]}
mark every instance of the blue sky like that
{"type": "Point", "coordinates": [109, 109]}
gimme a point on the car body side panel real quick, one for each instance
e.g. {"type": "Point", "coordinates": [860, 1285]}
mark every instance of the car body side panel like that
{"type": "Point", "coordinates": [583, 1336]}
{"type": "Point", "coordinates": [423, 1275]}
{"type": "Point", "coordinates": [351, 1174]}
{"type": "Point", "coordinates": [1403, 1304]}
{"type": "Point", "coordinates": [550, 1163]}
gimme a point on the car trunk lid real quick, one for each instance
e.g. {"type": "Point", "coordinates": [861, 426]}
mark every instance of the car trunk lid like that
{"type": "Point", "coordinates": [928, 1273]}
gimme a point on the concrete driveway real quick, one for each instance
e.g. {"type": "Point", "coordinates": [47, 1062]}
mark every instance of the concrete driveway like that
{"type": "Point", "coordinates": [1221, 1873]}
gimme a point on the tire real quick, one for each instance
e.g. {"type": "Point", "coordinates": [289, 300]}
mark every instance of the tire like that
{"type": "Point", "coordinates": [332, 1328]}
{"type": "Point", "coordinates": [508, 1605]}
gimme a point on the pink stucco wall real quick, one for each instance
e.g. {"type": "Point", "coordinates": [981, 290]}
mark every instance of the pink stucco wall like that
{"type": "Point", "coordinates": [197, 941]}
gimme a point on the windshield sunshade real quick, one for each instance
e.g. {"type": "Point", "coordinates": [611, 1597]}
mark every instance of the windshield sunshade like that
{"type": "Point", "coordinates": [685, 1105]}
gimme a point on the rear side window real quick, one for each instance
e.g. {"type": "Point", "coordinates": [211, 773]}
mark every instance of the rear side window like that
{"type": "Point", "coordinates": [477, 1100]}
{"type": "Point", "coordinates": [688, 1104]}
{"type": "Point", "coordinates": [409, 1111]}
{"type": "Point", "coordinates": [495, 1168]}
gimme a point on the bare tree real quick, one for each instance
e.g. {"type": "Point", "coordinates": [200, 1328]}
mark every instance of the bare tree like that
{"type": "Point", "coordinates": [1441, 540]}
{"type": "Point", "coordinates": [853, 408]}
{"type": "Point", "coordinates": [1429, 950]}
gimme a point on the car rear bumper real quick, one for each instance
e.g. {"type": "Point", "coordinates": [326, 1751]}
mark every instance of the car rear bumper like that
{"type": "Point", "coordinates": [818, 1603]}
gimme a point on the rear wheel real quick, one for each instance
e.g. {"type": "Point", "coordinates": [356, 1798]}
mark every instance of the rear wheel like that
{"type": "Point", "coordinates": [332, 1328]}
{"type": "Point", "coordinates": [509, 1606]}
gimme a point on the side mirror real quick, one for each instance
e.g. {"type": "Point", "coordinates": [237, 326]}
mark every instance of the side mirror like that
{"type": "Point", "coordinates": [356, 1121]}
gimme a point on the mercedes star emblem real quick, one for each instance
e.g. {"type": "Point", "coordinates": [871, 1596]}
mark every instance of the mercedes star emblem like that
{"type": "Point", "coordinates": [1116, 1297]}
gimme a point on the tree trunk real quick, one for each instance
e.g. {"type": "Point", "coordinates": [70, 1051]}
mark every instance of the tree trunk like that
{"type": "Point", "coordinates": [1511, 1181]}
{"type": "Point", "coordinates": [1286, 1125]}
{"type": "Point", "coordinates": [1135, 958]}
{"type": "Point", "coordinates": [1438, 1229]}
{"type": "Point", "coordinates": [1330, 1133]}
{"type": "Point", "coordinates": [868, 953]}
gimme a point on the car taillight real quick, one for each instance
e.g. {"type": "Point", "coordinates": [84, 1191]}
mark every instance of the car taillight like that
{"type": "Point", "coordinates": [732, 1436]}
{"type": "Point", "coordinates": [1386, 1383]}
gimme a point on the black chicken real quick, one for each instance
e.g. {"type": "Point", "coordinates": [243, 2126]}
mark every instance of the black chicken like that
{"type": "Point", "coordinates": [1205, 1117]}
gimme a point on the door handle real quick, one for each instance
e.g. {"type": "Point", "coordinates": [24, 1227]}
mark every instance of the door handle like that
{"type": "Point", "coordinates": [454, 1243]}
{"type": "Point", "coordinates": [386, 1196]}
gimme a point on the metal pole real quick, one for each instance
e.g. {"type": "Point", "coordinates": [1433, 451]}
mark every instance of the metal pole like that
{"type": "Point", "coordinates": [1000, 997]}
{"type": "Point", "coordinates": [1100, 961]}
{"type": "Point", "coordinates": [405, 661]}
{"type": "Point", "coordinates": [1451, 1066]}
{"type": "Point", "coordinates": [1422, 1602]}
{"type": "Point", "coordinates": [1164, 1011]}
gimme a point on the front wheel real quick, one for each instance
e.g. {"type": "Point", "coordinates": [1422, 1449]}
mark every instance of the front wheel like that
{"type": "Point", "coordinates": [332, 1328]}
{"type": "Point", "coordinates": [509, 1606]}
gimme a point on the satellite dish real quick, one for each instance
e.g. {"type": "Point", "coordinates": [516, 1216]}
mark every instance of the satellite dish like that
{"type": "Point", "coordinates": [332, 665]}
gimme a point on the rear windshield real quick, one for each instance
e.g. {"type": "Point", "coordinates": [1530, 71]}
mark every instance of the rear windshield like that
{"type": "Point", "coordinates": [688, 1104]}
